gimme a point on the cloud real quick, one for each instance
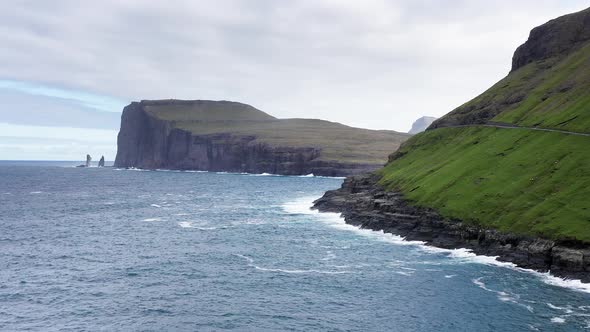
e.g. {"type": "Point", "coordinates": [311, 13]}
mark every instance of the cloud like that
{"type": "Point", "coordinates": [374, 63]}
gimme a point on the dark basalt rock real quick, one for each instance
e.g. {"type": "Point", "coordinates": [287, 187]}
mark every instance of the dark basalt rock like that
{"type": "Point", "coordinates": [554, 38]}
{"type": "Point", "coordinates": [364, 203]}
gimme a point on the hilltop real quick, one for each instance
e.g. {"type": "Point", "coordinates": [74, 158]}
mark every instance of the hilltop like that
{"type": "Point", "coordinates": [235, 137]}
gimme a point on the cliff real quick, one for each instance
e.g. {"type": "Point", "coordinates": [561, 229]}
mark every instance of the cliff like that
{"type": "Point", "coordinates": [421, 124]}
{"type": "Point", "coordinates": [507, 173]}
{"type": "Point", "coordinates": [234, 137]}
{"type": "Point", "coordinates": [547, 85]}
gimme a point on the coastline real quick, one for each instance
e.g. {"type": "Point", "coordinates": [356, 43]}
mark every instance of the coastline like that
{"type": "Point", "coordinates": [364, 204]}
{"type": "Point", "coordinates": [311, 175]}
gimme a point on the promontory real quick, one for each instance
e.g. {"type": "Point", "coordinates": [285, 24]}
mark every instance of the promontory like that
{"type": "Point", "coordinates": [235, 137]}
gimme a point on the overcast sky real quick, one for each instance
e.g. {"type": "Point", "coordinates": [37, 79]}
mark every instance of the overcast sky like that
{"type": "Point", "coordinates": [375, 64]}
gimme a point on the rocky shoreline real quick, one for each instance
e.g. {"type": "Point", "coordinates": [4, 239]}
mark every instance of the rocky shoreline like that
{"type": "Point", "coordinates": [364, 203]}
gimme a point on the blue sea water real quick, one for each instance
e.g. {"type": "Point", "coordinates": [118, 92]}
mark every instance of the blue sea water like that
{"type": "Point", "coordinates": [122, 250]}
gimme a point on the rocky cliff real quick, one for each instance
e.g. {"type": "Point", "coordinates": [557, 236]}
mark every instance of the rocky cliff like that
{"type": "Point", "coordinates": [365, 203]}
{"type": "Point", "coordinates": [234, 137]}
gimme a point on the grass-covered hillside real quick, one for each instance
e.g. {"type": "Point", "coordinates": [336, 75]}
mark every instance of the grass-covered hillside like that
{"type": "Point", "coordinates": [518, 180]}
{"type": "Point", "coordinates": [337, 142]}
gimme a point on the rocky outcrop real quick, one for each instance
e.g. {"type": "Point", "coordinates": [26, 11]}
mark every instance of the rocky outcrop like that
{"type": "Point", "coordinates": [149, 142]}
{"type": "Point", "coordinates": [421, 124]}
{"type": "Point", "coordinates": [545, 50]}
{"type": "Point", "coordinates": [554, 38]}
{"type": "Point", "coordinates": [364, 203]}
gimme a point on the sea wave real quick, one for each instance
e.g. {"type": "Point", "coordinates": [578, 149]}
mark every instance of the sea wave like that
{"type": "Point", "coordinates": [310, 175]}
{"type": "Point", "coordinates": [288, 271]}
{"type": "Point", "coordinates": [303, 206]}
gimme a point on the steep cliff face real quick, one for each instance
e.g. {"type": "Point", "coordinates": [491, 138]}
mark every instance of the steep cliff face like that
{"type": "Point", "coordinates": [547, 85]}
{"type": "Point", "coordinates": [205, 135]}
{"type": "Point", "coordinates": [554, 38]}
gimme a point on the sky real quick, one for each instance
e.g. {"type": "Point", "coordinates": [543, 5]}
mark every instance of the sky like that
{"type": "Point", "coordinates": [68, 67]}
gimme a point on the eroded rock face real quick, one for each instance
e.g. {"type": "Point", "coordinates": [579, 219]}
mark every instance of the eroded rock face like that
{"type": "Point", "coordinates": [554, 38]}
{"type": "Point", "coordinates": [364, 203]}
{"type": "Point", "coordinates": [147, 142]}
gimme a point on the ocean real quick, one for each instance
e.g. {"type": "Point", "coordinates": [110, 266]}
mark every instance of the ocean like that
{"type": "Point", "coordinates": [103, 249]}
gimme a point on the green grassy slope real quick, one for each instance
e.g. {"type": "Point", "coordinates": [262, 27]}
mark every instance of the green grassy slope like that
{"type": "Point", "coordinates": [338, 142]}
{"type": "Point", "coordinates": [552, 93]}
{"type": "Point", "coordinates": [513, 180]}
{"type": "Point", "coordinates": [517, 180]}
{"type": "Point", "coordinates": [204, 110]}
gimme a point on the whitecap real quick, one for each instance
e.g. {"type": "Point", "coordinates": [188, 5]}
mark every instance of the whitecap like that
{"type": "Point", "coordinates": [156, 205]}
{"type": "Point", "coordinates": [558, 320]}
{"type": "Point", "coordinates": [181, 214]}
{"type": "Point", "coordinates": [567, 310]}
{"type": "Point", "coordinates": [151, 219]}
{"type": "Point", "coordinates": [329, 256]}
{"type": "Point", "coordinates": [449, 276]}
{"type": "Point", "coordinates": [35, 192]}
{"type": "Point", "coordinates": [288, 271]}
{"type": "Point", "coordinates": [185, 224]}
{"type": "Point", "coordinates": [405, 273]}
{"type": "Point", "coordinates": [502, 295]}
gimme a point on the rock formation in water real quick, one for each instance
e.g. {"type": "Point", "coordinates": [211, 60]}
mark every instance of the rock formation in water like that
{"type": "Point", "coordinates": [88, 160]}
{"type": "Point", "coordinates": [101, 162]}
{"type": "Point", "coordinates": [421, 124]}
{"type": "Point", "coordinates": [234, 137]}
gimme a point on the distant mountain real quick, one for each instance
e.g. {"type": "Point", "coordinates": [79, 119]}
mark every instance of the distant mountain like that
{"type": "Point", "coordinates": [235, 137]}
{"type": "Point", "coordinates": [421, 124]}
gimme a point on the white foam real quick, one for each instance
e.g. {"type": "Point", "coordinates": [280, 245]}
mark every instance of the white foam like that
{"type": "Point", "coordinates": [181, 214]}
{"type": "Point", "coordinates": [156, 205]}
{"type": "Point", "coordinates": [288, 271]}
{"type": "Point", "coordinates": [558, 320]}
{"type": "Point", "coordinates": [151, 219]}
{"type": "Point", "coordinates": [502, 296]}
{"type": "Point", "coordinates": [303, 206]}
{"type": "Point", "coordinates": [185, 224]}
{"type": "Point", "coordinates": [449, 276]}
{"type": "Point", "coordinates": [329, 256]}
{"type": "Point", "coordinates": [35, 192]}
{"type": "Point", "coordinates": [564, 309]}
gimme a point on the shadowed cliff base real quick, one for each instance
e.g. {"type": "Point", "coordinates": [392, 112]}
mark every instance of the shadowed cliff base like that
{"type": "Point", "coordinates": [235, 137]}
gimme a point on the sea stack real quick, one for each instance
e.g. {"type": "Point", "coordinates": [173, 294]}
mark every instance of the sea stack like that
{"type": "Point", "coordinates": [101, 162]}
